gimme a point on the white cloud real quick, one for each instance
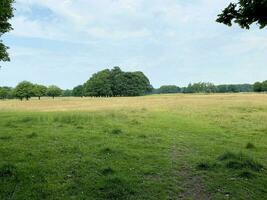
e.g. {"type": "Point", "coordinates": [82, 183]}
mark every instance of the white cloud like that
{"type": "Point", "coordinates": [113, 19]}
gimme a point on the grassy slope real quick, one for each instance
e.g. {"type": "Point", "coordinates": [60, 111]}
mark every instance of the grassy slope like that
{"type": "Point", "coordinates": [158, 147]}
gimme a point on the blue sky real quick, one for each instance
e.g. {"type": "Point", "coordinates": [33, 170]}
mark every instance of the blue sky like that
{"type": "Point", "coordinates": [172, 41]}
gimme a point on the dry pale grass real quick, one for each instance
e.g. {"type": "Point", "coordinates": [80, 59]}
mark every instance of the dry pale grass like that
{"type": "Point", "coordinates": [154, 102]}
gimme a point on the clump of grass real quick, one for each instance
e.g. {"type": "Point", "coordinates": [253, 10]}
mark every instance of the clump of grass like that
{"type": "Point", "coordinates": [26, 119]}
{"type": "Point", "coordinates": [240, 161]}
{"type": "Point", "coordinates": [107, 171]}
{"type": "Point", "coordinates": [8, 171]}
{"type": "Point", "coordinates": [106, 150]}
{"type": "Point", "coordinates": [6, 137]}
{"type": "Point", "coordinates": [206, 165]}
{"type": "Point", "coordinates": [142, 136]}
{"type": "Point", "coordinates": [232, 164]}
{"type": "Point", "coordinates": [10, 124]}
{"type": "Point", "coordinates": [32, 135]}
{"type": "Point", "coordinates": [250, 146]}
{"type": "Point", "coordinates": [79, 127]}
{"type": "Point", "coordinates": [228, 155]}
{"type": "Point", "coordinates": [135, 122]}
{"type": "Point", "coordinates": [203, 166]}
{"type": "Point", "coordinates": [246, 174]}
{"type": "Point", "coordinates": [116, 131]}
{"type": "Point", "coordinates": [116, 188]}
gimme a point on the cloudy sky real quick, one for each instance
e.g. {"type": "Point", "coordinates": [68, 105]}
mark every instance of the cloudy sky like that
{"type": "Point", "coordinates": [172, 41]}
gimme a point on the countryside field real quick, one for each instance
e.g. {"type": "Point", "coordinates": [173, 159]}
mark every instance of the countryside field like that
{"type": "Point", "coordinates": [153, 147]}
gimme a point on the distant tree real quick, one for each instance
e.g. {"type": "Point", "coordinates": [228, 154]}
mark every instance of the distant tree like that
{"type": "Point", "coordinates": [245, 13]}
{"type": "Point", "coordinates": [99, 85]}
{"type": "Point", "coordinates": [67, 93]}
{"type": "Point", "coordinates": [235, 88]}
{"type": "Point", "coordinates": [6, 13]}
{"type": "Point", "coordinates": [201, 87]}
{"type": "Point", "coordinates": [53, 91]}
{"type": "Point", "coordinates": [232, 88]}
{"type": "Point", "coordinates": [222, 88]}
{"type": "Point", "coordinates": [4, 92]}
{"type": "Point", "coordinates": [165, 89]}
{"type": "Point", "coordinates": [264, 86]}
{"type": "Point", "coordinates": [78, 91]}
{"type": "Point", "coordinates": [24, 90]}
{"type": "Point", "coordinates": [257, 87]}
{"type": "Point", "coordinates": [39, 91]}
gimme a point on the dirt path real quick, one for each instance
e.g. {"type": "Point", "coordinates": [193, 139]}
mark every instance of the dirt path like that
{"type": "Point", "coordinates": [192, 185]}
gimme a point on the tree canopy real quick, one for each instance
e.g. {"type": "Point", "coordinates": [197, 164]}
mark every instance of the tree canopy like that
{"type": "Point", "coordinates": [245, 13]}
{"type": "Point", "coordinates": [260, 86]}
{"type": "Point", "coordinates": [54, 91]}
{"type": "Point", "coordinates": [24, 90]}
{"type": "Point", "coordinates": [115, 82]}
{"type": "Point", "coordinates": [78, 91]}
{"type": "Point", "coordinates": [39, 90]}
{"type": "Point", "coordinates": [6, 13]}
{"type": "Point", "coordinates": [6, 93]}
{"type": "Point", "coordinates": [166, 89]}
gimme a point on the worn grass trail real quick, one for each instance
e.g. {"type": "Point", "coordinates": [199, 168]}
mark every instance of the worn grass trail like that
{"type": "Point", "coordinates": [190, 147]}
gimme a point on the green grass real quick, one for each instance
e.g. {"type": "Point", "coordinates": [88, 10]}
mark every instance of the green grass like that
{"type": "Point", "coordinates": [199, 152]}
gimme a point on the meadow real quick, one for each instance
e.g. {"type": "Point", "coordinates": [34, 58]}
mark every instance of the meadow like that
{"type": "Point", "coordinates": [153, 147]}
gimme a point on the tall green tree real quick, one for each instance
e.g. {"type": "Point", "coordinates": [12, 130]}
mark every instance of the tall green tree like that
{"type": "Point", "coordinates": [67, 93]}
{"type": "Point", "coordinates": [245, 13]}
{"type": "Point", "coordinates": [201, 87]}
{"type": "Point", "coordinates": [6, 13]}
{"type": "Point", "coordinates": [24, 90]}
{"type": "Point", "coordinates": [257, 87]}
{"type": "Point", "coordinates": [5, 92]}
{"type": "Point", "coordinates": [99, 85]}
{"type": "Point", "coordinates": [115, 82]}
{"type": "Point", "coordinates": [78, 91]}
{"type": "Point", "coordinates": [54, 91]}
{"type": "Point", "coordinates": [39, 91]}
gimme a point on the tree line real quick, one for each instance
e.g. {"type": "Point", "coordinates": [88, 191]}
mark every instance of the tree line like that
{"type": "Point", "coordinates": [117, 83]}
{"type": "Point", "coordinates": [26, 90]}
{"type": "Point", "coordinates": [105, 83]}
{"type": "Point", "coordinates": [203, 87]}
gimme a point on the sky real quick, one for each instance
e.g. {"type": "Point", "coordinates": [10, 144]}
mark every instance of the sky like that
{"type": "Point", "coordinates": [177, 42]}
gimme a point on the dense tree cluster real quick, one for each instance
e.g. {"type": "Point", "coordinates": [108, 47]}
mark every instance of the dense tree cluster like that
{"type": "Point", "coordinates": [245, 13]}
{"type": "Point", "coordinates": [234, 88]}
{"type": "Point", "coordinates": [167, 89]}
{"type": "Point", "coordinates": [115, 82]}
{"type": "Point", "coordinates": [200, 87]}
{"type": "Point", "coordinates": [260, 86]}
{"type": "Point", "coordinates": [78, 91]}
{"type": "Point", "coordinates": [6, 93]}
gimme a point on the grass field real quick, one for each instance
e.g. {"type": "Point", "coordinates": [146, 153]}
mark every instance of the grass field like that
{"type": "Point", "coordinates": [153, 147]}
